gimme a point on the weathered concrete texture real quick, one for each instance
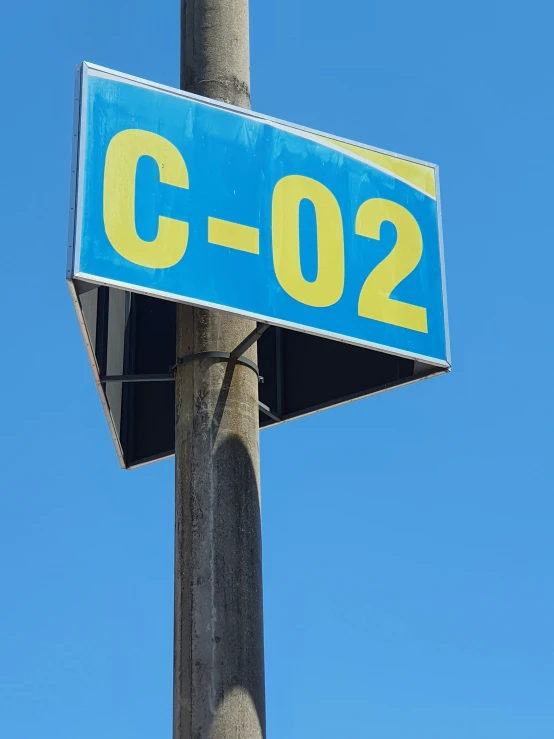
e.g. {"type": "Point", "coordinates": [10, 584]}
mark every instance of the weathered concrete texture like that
{"type": "Point", "coordinates": [219, 690]}
{"type": "Point", "coordinates": [219, 666]}
{"type": "Point", "coordinates": [215, 51]}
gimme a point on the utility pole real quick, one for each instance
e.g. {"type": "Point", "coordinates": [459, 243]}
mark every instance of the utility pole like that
{"type": "Point", "coordinates": [219, 688]}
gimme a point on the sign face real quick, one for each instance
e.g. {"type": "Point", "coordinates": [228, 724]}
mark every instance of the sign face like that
{"type": "Point", "coordinates": [177, 198]}
{"type": "Point", "coordinates": [195, 201]}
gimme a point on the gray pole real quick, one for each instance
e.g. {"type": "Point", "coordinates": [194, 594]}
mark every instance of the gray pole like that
{"type": "Point", "coordinates": [218, 654]}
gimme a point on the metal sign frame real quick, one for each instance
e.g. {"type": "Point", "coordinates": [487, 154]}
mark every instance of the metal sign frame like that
{"type": "Point", "coordinates": [87, 69]}
{"type": "Point", "coordinates": [423, 366]}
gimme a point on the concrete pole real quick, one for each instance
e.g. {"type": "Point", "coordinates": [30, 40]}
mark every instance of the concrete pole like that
{"type": "Point", "coordinates": [218, 654]}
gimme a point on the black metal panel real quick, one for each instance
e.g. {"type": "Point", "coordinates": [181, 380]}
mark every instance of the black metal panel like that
{"type": "Point", "coordinates": [299, 373]}
{"type": "Point", "coordinates": [149, 407]}
{"type": "Point", "coordinates": [267, 362]}
{"type": "Point", "coordinates": [319, 372]}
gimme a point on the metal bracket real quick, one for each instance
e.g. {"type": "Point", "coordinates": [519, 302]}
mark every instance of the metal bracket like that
{"type": "Point", "coordinates": [235, 357]}
{"type": "Point", "coordinates": [252, 338]}
{"type": "Point", "coordinates": [266, 410]}
{"type": "Point", "coordinates": [220, 357]}
{"type": "Point", "coordinates": [169, 377]}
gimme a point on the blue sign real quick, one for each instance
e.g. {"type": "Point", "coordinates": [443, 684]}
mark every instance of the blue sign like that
{"type": "Point", "coordinates": [199, 202]}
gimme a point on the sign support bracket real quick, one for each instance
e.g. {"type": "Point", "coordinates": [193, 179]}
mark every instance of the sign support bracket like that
{"type": "Point", "coordinates": [234, 357]}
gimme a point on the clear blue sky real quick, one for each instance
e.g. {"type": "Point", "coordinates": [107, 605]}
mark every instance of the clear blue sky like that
{"type": "Point", "coordinates": [408, 538]}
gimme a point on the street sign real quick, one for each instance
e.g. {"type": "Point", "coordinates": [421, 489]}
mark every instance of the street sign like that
{"type": "Point", "coordinates": [183, 199]}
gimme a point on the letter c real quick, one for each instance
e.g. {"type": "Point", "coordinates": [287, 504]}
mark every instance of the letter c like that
{"type": "Point", "coordinates": [124, 151]}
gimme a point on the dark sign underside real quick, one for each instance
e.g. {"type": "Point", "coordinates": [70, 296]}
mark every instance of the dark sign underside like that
{"type": "Point", "coordinates": [130, 334]}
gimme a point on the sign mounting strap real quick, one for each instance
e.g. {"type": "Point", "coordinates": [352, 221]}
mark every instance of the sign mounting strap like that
{"type": "Point", "coordinates": [234, 357]}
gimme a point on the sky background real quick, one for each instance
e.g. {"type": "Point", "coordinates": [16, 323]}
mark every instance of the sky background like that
{"type": "Point", "coordinates": [408, 538]}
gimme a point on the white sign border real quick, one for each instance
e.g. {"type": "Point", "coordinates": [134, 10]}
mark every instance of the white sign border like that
{"type": "Point", "coordinates": [87, 69]}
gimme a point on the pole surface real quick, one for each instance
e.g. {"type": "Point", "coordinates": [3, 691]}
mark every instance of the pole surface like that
{"type": "Point", "coordinates": [219, 690]}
